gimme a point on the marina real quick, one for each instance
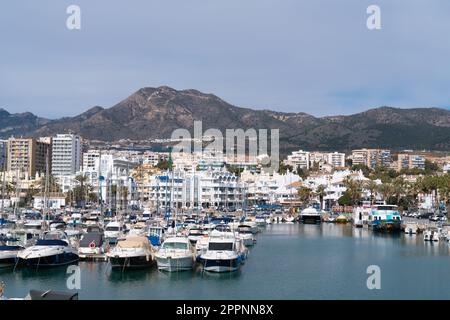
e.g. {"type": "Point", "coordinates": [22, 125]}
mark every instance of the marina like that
{"type": "Point", "coordinates": [306, 261]}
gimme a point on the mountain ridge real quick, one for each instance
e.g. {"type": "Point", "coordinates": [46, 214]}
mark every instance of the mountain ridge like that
{"type": "Point", "coordinates": [151, 113]}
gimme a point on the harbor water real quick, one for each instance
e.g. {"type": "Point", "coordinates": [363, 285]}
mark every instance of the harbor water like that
{"type": "Point", "coordinates": [289, 261]}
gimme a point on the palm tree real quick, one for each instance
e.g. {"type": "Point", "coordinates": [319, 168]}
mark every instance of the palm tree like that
{"type": "Point", "coordinates": [372, 186]}
{"type": "Point", "coordinates": [386, 189]}
{"type": "Point", "coordinates": [82, 179]}
{"type": "Point", "coordinates": [304, 193]}
{"type": "Point", "coordinates": [320, 192]}
{"type": "Point", "coordinates": [354, 189]}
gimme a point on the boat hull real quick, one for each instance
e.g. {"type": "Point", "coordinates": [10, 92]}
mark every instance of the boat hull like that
{"type": "Point", "coordinates": [386, 226]}
{"type": "Point", "coordinates": [56, 260]}
{"type": "Point", "coordinates": [311, 219]}
{"type": "Point", "coordinates": [131, 262]}
{"type": "Point", "coordinates": [8, 262]}
{"type": "Point", "coordinates": [175, 264]}
{"type": "Point", "coordinates": [221, 265]}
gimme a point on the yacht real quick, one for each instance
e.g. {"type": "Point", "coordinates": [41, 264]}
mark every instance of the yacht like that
{"type": "Point", "coordinates": [8, 251]}
{"type": "Point", "coordinates": [252, 224]}
{"type": "Point", "coordinates": [431, 234]}
{"type": "Point", "coordinates": [261, 220]}
{"type": "Point", "coordinates": [221, 255]}
{"type": "Point", "coordinates": [385, 218]}
{"type": "Point", "coordinates": [411, 228]}
{"type": "Point", "coordinates": [175, 254]}
{"type": "Point", "coordinates": [114, 230]}
{"type": "Point", "coordinates": [244, 232]}
{"type": "Point", "coordinates": [53, 249]}
{"type": "Point", "coordinates": [311, 216]}
{"type": "Point", "coordinates": [131, 252]}
{"type": "Point", "coordinates": [195, 233]}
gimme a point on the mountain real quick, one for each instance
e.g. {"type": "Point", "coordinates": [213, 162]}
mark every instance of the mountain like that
{"type": "Point", "coordinates": [19, 123]}
{"type": "Point", "coordinates": [156, 112]}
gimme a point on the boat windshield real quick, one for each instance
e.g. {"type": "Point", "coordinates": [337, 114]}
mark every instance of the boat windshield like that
{"type": "Point", "coordinates": [175, 245]}
{"type": "Point", "coordinates": [387, 208]}
{"type": "Point", "coordinates": [112, 228]}
{"type": "Point", "coordinates": [223, 246]}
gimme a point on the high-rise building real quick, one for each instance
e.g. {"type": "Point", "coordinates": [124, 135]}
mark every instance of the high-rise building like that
{"type": "Point", "coordinates": [66, 154]}
{"type": "Point", "coordinates": [372, 157]}
{"type": "Point", "coordinates": [410, 161]}
{"type": "Point", "coordinates": [28, 155]}
{"type": "Point", "coordinates": [336, 159]}
{"type": "Point", "coordinates": [3, 153]}
{"type": "Point", "coordinates": [298, 159]}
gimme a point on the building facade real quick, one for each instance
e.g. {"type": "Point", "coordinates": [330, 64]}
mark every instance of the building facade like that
{"type": "Point", "coordinates": [28, 155]}
{"type": "Point", "coordinates": [410, 161]}
{"type": "Point", "coordinates": [66, 154]}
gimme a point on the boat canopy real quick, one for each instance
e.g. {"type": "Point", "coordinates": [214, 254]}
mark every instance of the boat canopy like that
{"type": "Point", "coordinates": [93, 237]}
{"type": "Point", "coordinates": [134, 242]}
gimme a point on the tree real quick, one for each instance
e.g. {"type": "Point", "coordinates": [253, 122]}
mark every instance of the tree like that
{"type": "Point", "coordinates": [430, 167]}
{"type": "Point", "coordinates": [163, 165]}
{"type": "Point", "coordinates": [303, 173]}
{"type": "Point", "coordinates": [321, 193]}
{"type": "Point", "coordinates": [53, 185]}
{"type": "Point", "coordinates": [283, 168]}
{"type": "Point", "coordinates": [372, 186]}
{"type": "Point", "coordinates": [345, 199]}
{"type": "Point", "coordinates": [386, 190]}
{"type": "Point", "coordinates": [354, 189]}
{"type": "Point", "coordinates": [304, 194]}
{"type": "Point", "coordinates": [365, 169]}
{"type": "Point", "coordinates": [82, 192]}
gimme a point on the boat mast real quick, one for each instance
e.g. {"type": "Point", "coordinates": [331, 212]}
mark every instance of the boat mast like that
{"type": "Point", "coordinates": [3, 184]}
{"type": "Point", "coordinates": [46, 191]}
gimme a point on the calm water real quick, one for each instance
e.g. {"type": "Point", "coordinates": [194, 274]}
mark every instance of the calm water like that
{"type": "Point", "coordinates": [290, 261]}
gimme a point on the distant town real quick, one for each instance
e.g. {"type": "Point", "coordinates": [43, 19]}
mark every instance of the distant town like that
{"type": "Point", "coordinates": [81, 175]}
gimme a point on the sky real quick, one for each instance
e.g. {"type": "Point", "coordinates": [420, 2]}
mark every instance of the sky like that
{"type": "Point", "coordinates": [314, 56]}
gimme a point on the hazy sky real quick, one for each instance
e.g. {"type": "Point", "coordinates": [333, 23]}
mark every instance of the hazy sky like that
{"type": "Point", "coordinates": [315, 56]}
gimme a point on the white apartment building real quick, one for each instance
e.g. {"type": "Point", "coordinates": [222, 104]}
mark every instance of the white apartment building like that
{"type": "Point", "coordinates": [66, 154]}
{"type": "Point", "coordinates": [196, 190]}
{"type": "Point", "coordinates": [298, 159]}
{"type": "Point", "coordinates": [264, 188]}
{"type": "Point", "coordinates": [336, 159]}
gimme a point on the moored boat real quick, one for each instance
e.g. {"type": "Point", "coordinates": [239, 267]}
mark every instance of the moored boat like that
{"type": "Point", "coordinates": [131, 252]}
{"type": "Point", "coordinates": [175, 254]}
{"type": "Point", "coordinates": [310, 216]}
{"type": "Point", "coordinates": [53, 249]}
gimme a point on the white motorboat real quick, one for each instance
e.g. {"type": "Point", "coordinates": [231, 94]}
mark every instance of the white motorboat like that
{"type": "Point", "coordinates": [131, 252]}
{"type": "Point", "coordinates": [431, 234]}
{"type": "Point", "coordinates": [224, 253]}
{"type": "Point", "coordinates": [245, 233]}
{"type": "Point", "coordinates": [311, 216]}
{"type": "Point", "coordinates": [53, 249]}
{"type": "Point", "coordinates": [8, 251]}
{"type": "Point", "coordinates": [175, 254]}
{"type": "Point", "coordinates": [114, 230]}
{"type": "Point", "coordinates": [195, 233]}
{"type": "Point", "coordinates": [252, 224]}
{"type": "Point", "coordinates": [261, 220]}
{"type": "Point", "coordinates": [411, 228]}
